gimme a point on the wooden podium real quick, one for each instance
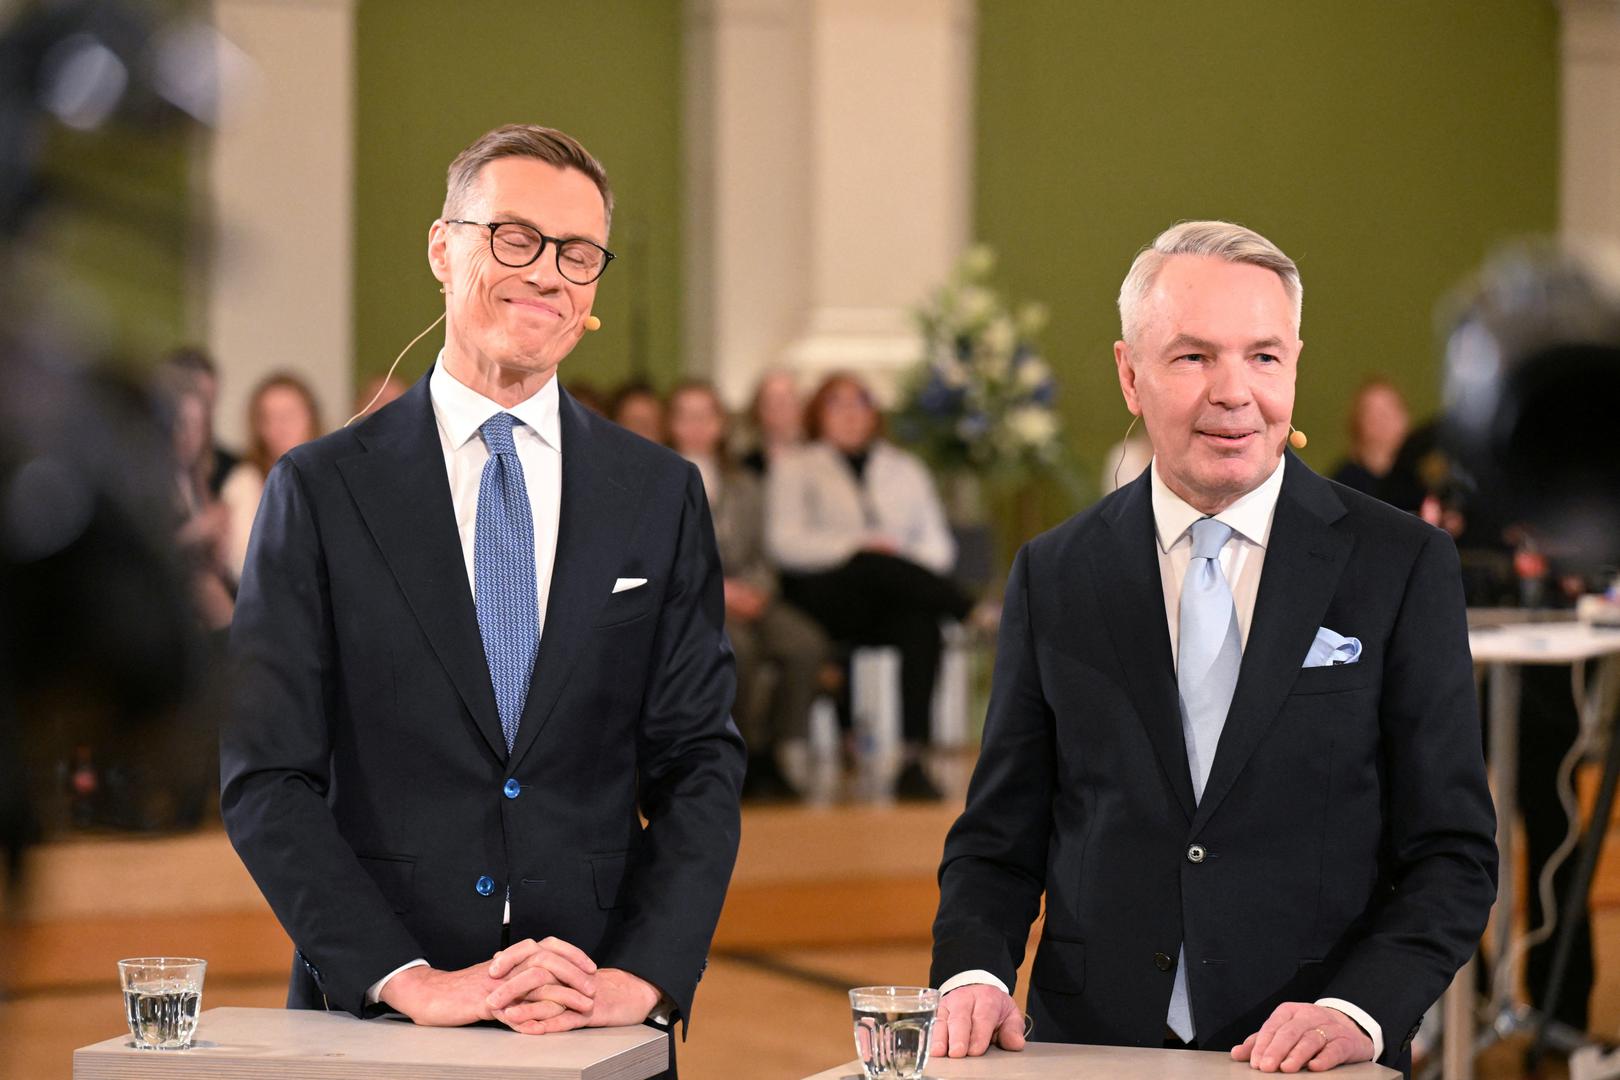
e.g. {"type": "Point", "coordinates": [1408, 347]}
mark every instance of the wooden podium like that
{"type": "Point", "coordinates": [1060, 1061]}
{"type": "Point", "coordinates": [296, 1044]}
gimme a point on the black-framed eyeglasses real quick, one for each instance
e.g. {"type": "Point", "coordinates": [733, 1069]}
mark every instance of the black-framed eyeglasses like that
{"type": "Point", "coordinates": [517, 245]}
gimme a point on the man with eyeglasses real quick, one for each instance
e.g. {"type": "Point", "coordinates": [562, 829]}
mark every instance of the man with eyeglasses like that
{"type": "Point", "coordinates": [480, 759]}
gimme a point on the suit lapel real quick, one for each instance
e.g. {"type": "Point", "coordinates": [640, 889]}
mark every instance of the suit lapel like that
{"type": "Point", "coordinates": [1125, 567]}
{"type": "Point", "coordinates": [403, 493]}
{"type": "Point", "coordinates": [596, 514]}
{"type": "Point", "coordinates": [1304, 559]}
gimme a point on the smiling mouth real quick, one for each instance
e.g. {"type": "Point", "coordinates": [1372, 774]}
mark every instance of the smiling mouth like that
{"type": "Point", "coordinates": [536, 306]}
{"type": "Point", "coordinates": [1228, 436]}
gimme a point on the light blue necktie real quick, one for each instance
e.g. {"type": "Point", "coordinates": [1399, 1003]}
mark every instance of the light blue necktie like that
{"type": "Point", "coordinates": [504, 589]}
{"type": "Point", "coordinates": [1209, 652]}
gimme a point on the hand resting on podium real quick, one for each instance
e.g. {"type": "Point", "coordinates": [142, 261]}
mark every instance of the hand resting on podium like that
{"type": "Point", "coordinates": [971, 1017]}
{"type": "Point", "coordinates": [533, 987]}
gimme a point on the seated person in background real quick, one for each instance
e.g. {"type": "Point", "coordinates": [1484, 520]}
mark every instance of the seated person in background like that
{"type": "Point", "coordinates": [778, 418]}
{"type": "Point", "coordinates": [375, 392]}
{"type": "Point", "coordinates": [588, 395]}
{"type": "Point", "coordinates": [1378, 426]}
{"type": "Point", "coordinates": [282, 414]}
{"type": "Point", "coordinates": [857, 529]}
{"type": "Point", "coordinates": [637, 407]}
{"type": "Point", "coordinates": [762, 626]}
{"type": "Point", "coordinates": [203, 522]}
{"type": "Point", "coordinates": [193, 363]}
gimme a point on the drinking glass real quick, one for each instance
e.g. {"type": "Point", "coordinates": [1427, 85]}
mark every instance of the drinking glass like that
{"type": "Point", "coordinates": [893, 1026]}
{"type": "Point", "coordinates": [162, 996]}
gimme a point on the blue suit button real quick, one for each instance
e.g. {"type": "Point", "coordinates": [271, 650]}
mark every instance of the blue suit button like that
{"type": "Point", "coordinates": [512, 789]}
{"type": "Point", "coordinates": [485, 885]}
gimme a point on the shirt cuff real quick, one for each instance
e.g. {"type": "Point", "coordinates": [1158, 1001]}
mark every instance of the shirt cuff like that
{"type": "Point", "coordinates": [1363, 1021]}
{"type": "Point", "coordinates": [374, 994]}
{"type": "Point", "coordinates": [663, 1012]}
{"type": "Point", "coordinates": [976, 977]}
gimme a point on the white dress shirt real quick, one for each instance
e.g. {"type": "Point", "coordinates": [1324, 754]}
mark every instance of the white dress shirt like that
{"type": "Point", "coordinates": [459, 411]}
{"type": "Point", "coordinates": [1242, 559]}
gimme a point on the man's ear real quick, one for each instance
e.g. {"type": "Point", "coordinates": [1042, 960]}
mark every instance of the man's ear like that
{"type": "Point", "coordinates": [439, 251]}
{"type": "Point", "coordinates": [1127, 377]}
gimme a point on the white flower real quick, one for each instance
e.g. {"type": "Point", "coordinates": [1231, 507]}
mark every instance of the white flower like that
{"type": "Point", "coordinates": [952, 372]}
{"type": "Point", "coordinates": [978, 261]}
{"type": "Point", "coordinates": [975, 304]}
{"type": "Point", "coordinates": [1033, 425]}
{"type": "Point", "coordinates": [1000, 337]}
{"type": "Point", "coordinates": [1033, 372]}
{"type": "Point", "coordinates": [1031, 318]}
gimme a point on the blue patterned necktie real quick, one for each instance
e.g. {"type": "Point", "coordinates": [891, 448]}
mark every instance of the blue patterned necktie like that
{"type": "Point", "coordinates": [1209, 652]}
{"type": "Point", "coordinates": [504, 588]}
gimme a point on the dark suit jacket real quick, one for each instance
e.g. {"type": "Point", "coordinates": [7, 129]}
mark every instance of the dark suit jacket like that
{"type": "Point", "coordinates": [365, 780]}
{"type": "Point", "coordinates": [1347, 831]}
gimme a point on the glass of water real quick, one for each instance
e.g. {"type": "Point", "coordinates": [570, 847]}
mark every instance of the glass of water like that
{"type": "Point", "coordinates": [162, 996]}
{"type": "Point", "coordinates": [893, 1026]}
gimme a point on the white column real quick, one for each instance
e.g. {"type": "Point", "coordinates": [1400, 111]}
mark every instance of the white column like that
{"type": "Point", "coordinates": [1589, 174]}
{"type": "Point", "coordinates": [280, 183]}
{"type": "Point", "coordinates": [829, 176]}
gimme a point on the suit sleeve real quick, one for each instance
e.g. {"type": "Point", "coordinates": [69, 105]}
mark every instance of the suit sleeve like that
{"type": "Point", "coordinates": [994, 868]}
{"type": "Point", "coordinates": [1440, 828]}
{"type": "Point", "coordinates": [275, 758]}
{"type": "Point", "coordinates": [690, 763]}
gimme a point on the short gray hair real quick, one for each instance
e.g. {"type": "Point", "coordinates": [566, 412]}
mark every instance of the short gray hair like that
{"type": "Point", "coordinates": [1220, 239]}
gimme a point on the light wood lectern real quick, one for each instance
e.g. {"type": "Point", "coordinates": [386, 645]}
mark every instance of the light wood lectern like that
{"type": "Point", "coordinates": [296, 1044]}
{"type": "Point", "coordinates": [1056, 1061]}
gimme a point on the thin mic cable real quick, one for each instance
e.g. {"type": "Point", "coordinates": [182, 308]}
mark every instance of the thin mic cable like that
{"type": "Point", "coordinates": [391, 368]}
{"type": "Point", "coordinates": [1124, 448]}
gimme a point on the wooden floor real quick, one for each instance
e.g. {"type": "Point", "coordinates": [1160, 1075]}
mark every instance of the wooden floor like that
{"type": "Point", "coordinates": [825, 897]}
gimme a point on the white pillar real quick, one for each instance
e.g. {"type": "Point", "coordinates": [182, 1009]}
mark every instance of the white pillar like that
{"type": "Point", "coordinates": [829, 171]}
{"type": "Point", "coordinates": [1589, 176]}
{"type": "Point", "coordinates": [280, 183]}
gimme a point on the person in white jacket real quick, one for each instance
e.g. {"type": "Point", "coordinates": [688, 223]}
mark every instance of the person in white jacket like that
{"type": "Point", "coordinates": [858, 532]}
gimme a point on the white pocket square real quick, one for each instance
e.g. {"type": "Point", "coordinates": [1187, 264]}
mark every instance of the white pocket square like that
{"type": "Point", "coordinates": [625, 584]}
{"type": "Point", "coordinates": [1331, 649]}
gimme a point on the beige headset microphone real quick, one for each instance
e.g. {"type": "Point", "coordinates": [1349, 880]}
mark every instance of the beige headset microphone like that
{"type": "Point", "coordinates": [591, 323]}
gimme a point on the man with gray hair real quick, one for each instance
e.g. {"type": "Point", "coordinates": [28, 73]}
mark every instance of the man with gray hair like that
{"type": "Point", "coordinates": [1232, 734]}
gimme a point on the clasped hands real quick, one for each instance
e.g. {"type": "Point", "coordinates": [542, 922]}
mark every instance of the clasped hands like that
{"type": "Point", "coordinates": [1296, 1036]}
{"type": "Point", "coordinates": [533, 987]}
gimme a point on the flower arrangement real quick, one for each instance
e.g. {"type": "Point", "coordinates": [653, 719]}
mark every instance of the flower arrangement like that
{"type": "Point", "coordinates": [981, 399]}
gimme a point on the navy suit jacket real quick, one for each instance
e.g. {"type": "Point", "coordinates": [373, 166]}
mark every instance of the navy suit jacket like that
{"type": "Point", "coordinates": [1346, 831]}
{"type": "Point", "coordinates": [365, 779]}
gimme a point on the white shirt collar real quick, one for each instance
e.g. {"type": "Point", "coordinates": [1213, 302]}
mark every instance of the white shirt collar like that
{"type": "Point", "coordinates": [1249, 517]}
{"type": "Point", "coordinates": [463, 410]}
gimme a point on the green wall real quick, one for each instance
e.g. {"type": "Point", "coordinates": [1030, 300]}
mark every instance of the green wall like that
{"type": "Point", "coordinates": [1386, 145]}
{"type": "Point", "coordinates": [432, 76]}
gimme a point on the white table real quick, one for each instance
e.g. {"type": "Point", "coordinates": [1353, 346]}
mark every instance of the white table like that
{"type": "Point", "coordinates": [1503, 648]}
{"type": "Point", "coordinates": [1061, 1061]}
{"type": "Point", "coordinates": [300, 1044]}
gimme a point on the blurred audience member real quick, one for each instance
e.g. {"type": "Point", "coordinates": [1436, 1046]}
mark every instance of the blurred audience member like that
{"type": "Point", "coordinates": [588, 395]}
{"type": "Point", "coordinates": [1378, 426]}
{"type": "Point", "coordinates": [777, 414]}
{"type": "Point", "coordinates": [195, 364]}
{"type": "Point", "coordinates": [763, 628]}
{"type": "Point", "coordinates": [282, 413]}
{"type": "Point", "coordinates": [375, 392]}
{"type": "Point", "coordinates": [637, 407]}
{"type": "Point", "coordinates": [203, 521]}
{"type": "Point", "coordinates": [858, 531]}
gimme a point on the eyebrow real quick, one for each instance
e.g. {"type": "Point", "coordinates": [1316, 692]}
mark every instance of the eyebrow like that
{"type": "Point", "coordinates": [1203, 345]}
